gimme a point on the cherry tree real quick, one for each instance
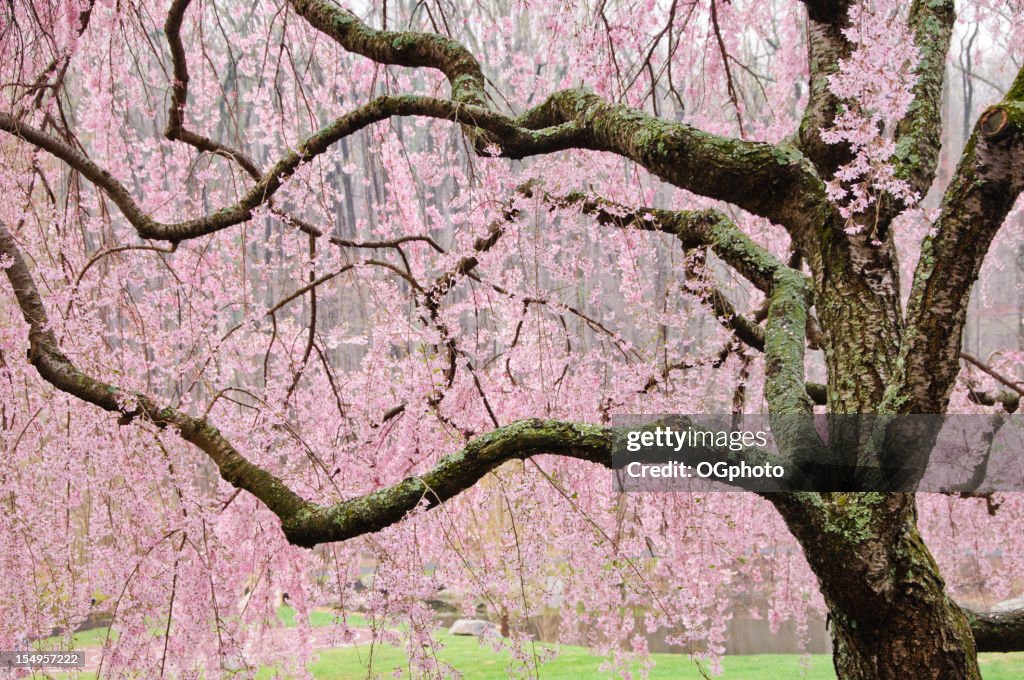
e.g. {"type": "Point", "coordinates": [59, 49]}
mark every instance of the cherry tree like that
{"type": "Point", "coordinates": [303, 286]}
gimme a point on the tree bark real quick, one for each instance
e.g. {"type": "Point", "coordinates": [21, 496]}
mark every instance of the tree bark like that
{"type": "Point", "coordinates": [889, 615]}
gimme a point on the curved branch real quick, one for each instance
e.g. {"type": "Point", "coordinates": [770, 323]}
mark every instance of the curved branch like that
{"type": "Point", "coordinates": [304, 523]}
{"type": "Point", "coordinates": [716, 167]}
{"type": "Point", "coordinates": [714, 229]}
{"type": "Point", "coordinates": [176, 130]}
{"type": "Point", "coordinates": [401, 48]}
{"type": "Point", "coordinates": [59, 371]}
{"type": "Point", "coordinates": [449, 477]}
{"type": "Point", "coordinates": [103, 253]}
{"type": "Point", "coordinates": [693, 228]}
{"type": "Point", "coordinates": [376, 110]}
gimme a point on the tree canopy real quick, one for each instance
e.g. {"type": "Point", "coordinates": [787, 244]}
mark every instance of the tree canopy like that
{"type": "Point", "coordinates": [286, 275]}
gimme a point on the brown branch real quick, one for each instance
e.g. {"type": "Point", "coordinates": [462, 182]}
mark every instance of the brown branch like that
{"type": "Point", "coordinates": [376, 110]}
{"type": "Point", "coordinates": [103, 253]}
{"type": "Point", "coordinates": [826, 46]}
{"type": "Point", "coordinates": [311, 337]}
{"type": "Point", "coordinates": [1009, 400]}
{"type": "Point", "coordinates": [985, 187]}
{"type": "Point", "coordinates": [978, 363]}
{"type": "Point", "coordinates": [997, 631]}
{"type": "Point", "coordinates": [729, 80]}
{"type": "Point", "coordinates": [58, 64]}
{"type": "Point", "coordinates": [919, 135]}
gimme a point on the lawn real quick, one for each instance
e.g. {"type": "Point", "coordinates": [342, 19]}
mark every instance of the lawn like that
{"type": "Point", "coordinates": [478, 662]}
{"type": "Point", "coordinates": [481, 663]}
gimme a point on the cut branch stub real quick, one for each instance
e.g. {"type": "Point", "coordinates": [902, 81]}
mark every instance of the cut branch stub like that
{"type": "Point", "coordinates": [994, 123]}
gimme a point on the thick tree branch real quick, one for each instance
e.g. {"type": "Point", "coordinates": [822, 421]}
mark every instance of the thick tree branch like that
{"type": "Point", "coordinates": [919, 134]}
{"type": "Point", "coordinates": [716, 167]}
{"type": "Point", "coordinates": [449, 477]}
{"type": "Point", "coordinates": [986, 185]}
{"type": "Point", "coordinates": [784, 344]}
{"type": "Point", "coordinates": [790, 407]}
{"type": "Point", "coordinates": [826, 45]}
{"type": "Point", "coordinates": [694, 228]}
{"type": "Point", "coordinates": [997, 631]}
{"type": "Point", "coordinates": [401, 48]}
{"type": "Point", "coordinates": [713, 166]}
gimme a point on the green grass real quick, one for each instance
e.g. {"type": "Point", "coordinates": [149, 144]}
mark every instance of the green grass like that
{"type": "Point", "coordinates": [478, 662]}
{"type": "Point", "coordinates": [94, 637]}
{"type": "Point", "coordinates": [319, 618]}
{"type": "Point", "coordinates": [1002, 666]}
{"type": "Point", "coordinates": [481, 663]}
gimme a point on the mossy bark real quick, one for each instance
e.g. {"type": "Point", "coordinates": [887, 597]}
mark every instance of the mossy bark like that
{"type": "Point", "coordinates": [889, 614]}
{"type": "Point", "coordinates": [920, 632]}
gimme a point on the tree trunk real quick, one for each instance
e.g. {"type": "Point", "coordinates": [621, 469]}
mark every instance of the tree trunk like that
{"type": "Point", "coordinates": [889, 616]}
{"type": "Point", "coordinates": [917, 631]}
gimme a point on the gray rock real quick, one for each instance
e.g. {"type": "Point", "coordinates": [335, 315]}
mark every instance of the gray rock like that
{"type": "Point", "coordinates": [474, 627]}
